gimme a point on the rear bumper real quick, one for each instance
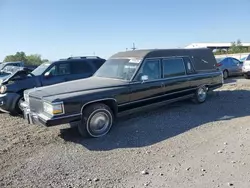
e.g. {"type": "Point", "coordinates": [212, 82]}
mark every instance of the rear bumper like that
{"type": "Point", "coordinates": [8, 102]}
{"type": "Point", "coordinates": [41, 119]}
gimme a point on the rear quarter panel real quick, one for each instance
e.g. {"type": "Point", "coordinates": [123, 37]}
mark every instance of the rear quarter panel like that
{"type": "Point", "coordinates": [210, 79]}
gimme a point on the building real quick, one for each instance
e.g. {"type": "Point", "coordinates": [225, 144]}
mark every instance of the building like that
{"type": "Point", "coordinates": [215, 46]}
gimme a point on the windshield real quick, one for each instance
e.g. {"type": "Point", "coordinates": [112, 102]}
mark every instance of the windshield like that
{"type": "Point", "coordinates": [122, 69]}
{"type": "Point", "coordinates": [40, 70]}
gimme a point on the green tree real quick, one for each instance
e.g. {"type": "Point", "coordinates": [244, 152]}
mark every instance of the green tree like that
{"type": "Point", "coordinates": [34, 59]}
{"type": "Point", "coordinates": [19, 56]}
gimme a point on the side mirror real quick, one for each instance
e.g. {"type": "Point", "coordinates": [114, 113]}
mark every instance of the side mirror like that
{"type": "Point", "coordinates": [144, 78]}
{"type": "Point", "coordinates": [47, 75]}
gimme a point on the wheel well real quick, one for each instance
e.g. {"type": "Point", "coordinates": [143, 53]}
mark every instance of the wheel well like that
{"type": "Point", "coordinates": [109, 102]}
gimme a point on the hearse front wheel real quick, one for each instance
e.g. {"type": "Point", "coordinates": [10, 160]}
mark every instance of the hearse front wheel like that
{"type": "Point", "coordinates": [200, 94]}
{"type": "Point", "coordinates": [97, 120]}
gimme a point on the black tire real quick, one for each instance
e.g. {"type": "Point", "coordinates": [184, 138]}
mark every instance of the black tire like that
{"type": "Point", "coordinates": [225, 74]}
{"type": "Point", "coordinates": [106, 117]}
{"type": "Point", "coordinates": [17, 111]}
{"type": "Point", "coordinates": [200, 95]}
{"type": "Point", "coordinates": [246, 76]}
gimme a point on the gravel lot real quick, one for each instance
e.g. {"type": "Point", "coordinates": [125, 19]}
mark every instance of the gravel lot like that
{"type": "Point", "coordinates": [181, 145]}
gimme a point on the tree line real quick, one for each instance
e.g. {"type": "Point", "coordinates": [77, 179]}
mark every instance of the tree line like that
{"type": "Point", "coordinates": [33, 59]}
{"type": "Point", "coordinates": [236, 47]}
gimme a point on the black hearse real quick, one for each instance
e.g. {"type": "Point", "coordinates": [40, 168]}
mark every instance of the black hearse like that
{"type": "Point", "coordinates": [127, 81]}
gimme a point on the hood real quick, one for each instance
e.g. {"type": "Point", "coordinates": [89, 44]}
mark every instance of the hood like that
{"type": "Point", "coordinates": [18, 75]}
{"type": "Point", "coordinates": [87, 84]}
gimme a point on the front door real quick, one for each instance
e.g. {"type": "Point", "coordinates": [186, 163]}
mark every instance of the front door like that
{"type": "Point", "coordinates": [237, 66]}
{"type": "Point", "coordinates": [148, 85]}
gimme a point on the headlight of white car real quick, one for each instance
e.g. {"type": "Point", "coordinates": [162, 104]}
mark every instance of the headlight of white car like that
{"type": "Point", "coordinates": [53, 108]}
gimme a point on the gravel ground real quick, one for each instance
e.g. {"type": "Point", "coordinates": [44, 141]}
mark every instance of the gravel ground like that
{"type": "Point", "coordinates": [181, 145]}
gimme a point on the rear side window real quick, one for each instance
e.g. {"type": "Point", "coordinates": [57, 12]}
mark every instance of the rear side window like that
{"type": "Point", "coordinates": [173, 67]}
{"type": "Point", "coordinates": [79, 67]}
{"type": "Point", "coordinates": [189, 66]}
{"type": "Point", "coordinates": [235, 61]}
{"type": "Point", "coordinates": [248, 58]}
{"type": "Point", "coordinates": [225, 61]}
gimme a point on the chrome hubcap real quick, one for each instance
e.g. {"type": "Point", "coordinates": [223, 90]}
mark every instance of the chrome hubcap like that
{"type": "Point", "coordinates": [202, 94]}
{"type": "Point", "coordinates": [99, 123]}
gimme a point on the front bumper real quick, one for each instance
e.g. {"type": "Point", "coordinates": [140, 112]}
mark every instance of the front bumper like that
{"type": "Point", "coordinates": [41, 119]}
{"type": "Point", "coordinates": [8, 102]}
{"type": "Point", "coordinates": [247, 72]}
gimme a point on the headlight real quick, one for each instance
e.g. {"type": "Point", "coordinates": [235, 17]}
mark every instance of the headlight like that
{"type": "Point", "coordinates": [3, 89]}
{"type": "Point", "coordinates": [54, 108]}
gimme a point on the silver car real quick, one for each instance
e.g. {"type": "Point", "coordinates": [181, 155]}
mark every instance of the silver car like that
{"type": "Point", "coordinates": [246, 67]}
{"type": "Point", "coordinates": [229, 66]}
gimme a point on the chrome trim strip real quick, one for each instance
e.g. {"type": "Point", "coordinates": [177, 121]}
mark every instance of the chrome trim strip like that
{"type": "Point", "coordinates": [97, 101]}
{"type": "Point", "coordinates": [156, 104]}
{"type": "Point", "coordinates": [141, 100]}
{"type": "Point", "coordinates": [45, 118]}
{"type": "Point", "coordinates": [184, 76]}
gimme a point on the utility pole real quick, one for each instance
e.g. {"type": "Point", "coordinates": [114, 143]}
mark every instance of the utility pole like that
{"type": "Point", "coordinates": [133, 48]}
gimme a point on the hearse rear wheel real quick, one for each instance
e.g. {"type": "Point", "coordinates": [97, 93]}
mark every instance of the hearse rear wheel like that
{"type": "Point", "coordinates": [200, 95]}
{"type": "Point", "coordinates": [97, 120]}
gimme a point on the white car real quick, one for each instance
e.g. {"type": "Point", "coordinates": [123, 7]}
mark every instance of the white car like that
{"type": "Point", "coordinates": [246, 67]}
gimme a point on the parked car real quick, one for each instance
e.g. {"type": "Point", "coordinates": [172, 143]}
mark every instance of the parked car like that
{"type": "Point", "coordinates": [127, 82]}
{"type": "Point", "coordinates": [229, 66]}
{"type": "Point", "coordinates": [8, 68]}
{"type": "Point", "coordinates": [46, 74]}
{"type": "Point", "coordinates": [6, 75]}
{"type": "Point", "coordinates": [246, 67]}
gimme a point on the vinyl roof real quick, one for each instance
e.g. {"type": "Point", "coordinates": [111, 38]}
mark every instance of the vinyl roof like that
{"type": "Point", "coordinates": [139, 54]}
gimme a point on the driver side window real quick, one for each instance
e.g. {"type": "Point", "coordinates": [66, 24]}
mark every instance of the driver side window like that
{"type": "Point", "coordinates": [59, 69]}
{"type": "Point", "coordinates": [149, 68]}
